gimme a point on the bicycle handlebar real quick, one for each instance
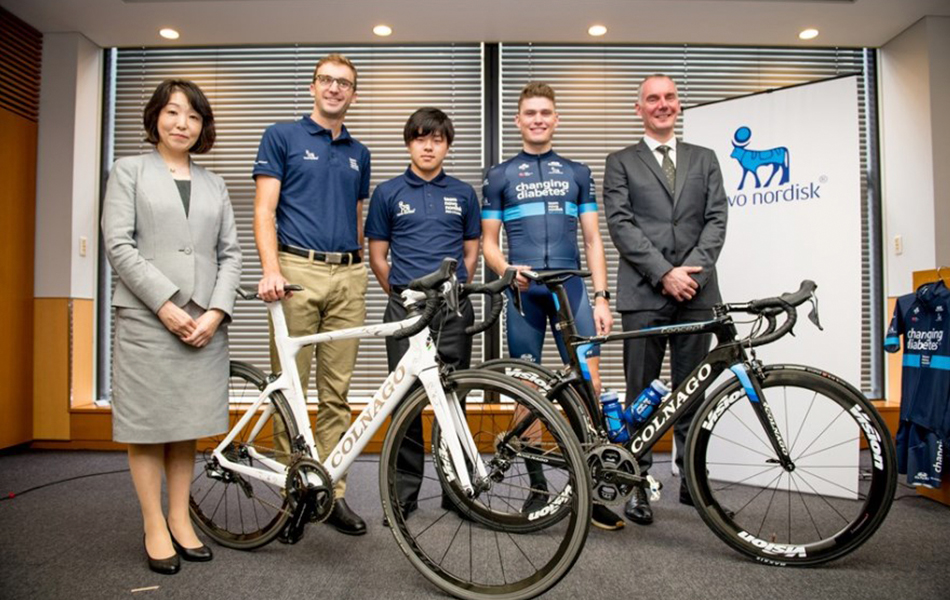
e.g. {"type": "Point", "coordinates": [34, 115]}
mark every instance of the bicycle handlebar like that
{"type": "Point", "coordinates": [246, 295]}
{"type": "Point", "coordinates": [429, 284]}
{"type": "Point", "coordinates": [771, 307]}
{"type": "Point", "coordinates": [492, 290]}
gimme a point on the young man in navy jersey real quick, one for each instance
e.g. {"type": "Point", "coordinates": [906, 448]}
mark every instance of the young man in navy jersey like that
{"type": "Point", "coordinates": [417, 219]}
{"type": "Point", "coordinates": [541, 197]}
{"type": "Point", "coordinates": [311, 180]}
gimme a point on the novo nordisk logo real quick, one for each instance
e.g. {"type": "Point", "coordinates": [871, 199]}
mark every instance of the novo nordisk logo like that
{"type": "Point", "coordinates": [750, 161]}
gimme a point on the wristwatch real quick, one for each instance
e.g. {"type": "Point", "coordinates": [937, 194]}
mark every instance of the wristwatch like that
{"type": "Point", "coordinates": [602, 294]}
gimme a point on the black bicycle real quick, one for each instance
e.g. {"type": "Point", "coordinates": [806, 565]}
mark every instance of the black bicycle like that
{"type": "Point", "coordinates": [787, 464]}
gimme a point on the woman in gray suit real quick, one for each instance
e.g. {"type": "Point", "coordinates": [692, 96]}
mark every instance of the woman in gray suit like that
{"type": "Point", "coordinates": [170, 235]}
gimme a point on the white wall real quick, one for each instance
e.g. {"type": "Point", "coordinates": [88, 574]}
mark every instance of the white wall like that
{"type": "Point", "coordinates": [67, 187]}
{"type": "Point", "coordinates": [915, 83]}
{"type": "Point", "coordinates": [939, 36]}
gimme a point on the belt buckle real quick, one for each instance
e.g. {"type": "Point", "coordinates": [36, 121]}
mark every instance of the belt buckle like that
{"type": "Point", "coordinates": [335, 258]}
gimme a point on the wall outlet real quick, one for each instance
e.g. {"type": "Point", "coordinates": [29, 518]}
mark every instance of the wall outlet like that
{"type": "Point", "coordinates": [898, 244]}
{"type": "Point", "coordinates": [83, 244]}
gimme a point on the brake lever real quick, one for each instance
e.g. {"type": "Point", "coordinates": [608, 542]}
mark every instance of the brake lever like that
{"type": "Point", "coordinates": [450, 291]}
{"type": "Point", "coordinates": [813, 313]}
{"type": "Point", "coordinates": [516, 296]}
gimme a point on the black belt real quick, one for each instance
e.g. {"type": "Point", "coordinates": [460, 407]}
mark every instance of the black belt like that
{"type": "Point", "coordinates": [331, 258]}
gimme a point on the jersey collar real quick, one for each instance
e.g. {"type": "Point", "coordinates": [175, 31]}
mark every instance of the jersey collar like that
{"type": "Point", "coordinates": [416, 181]}
{"type": "Point", "coordinates": [314, 128]}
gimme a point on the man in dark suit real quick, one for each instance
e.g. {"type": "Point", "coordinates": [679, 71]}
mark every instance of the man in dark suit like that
{"type": "Point", "coordinates": [666, 212]}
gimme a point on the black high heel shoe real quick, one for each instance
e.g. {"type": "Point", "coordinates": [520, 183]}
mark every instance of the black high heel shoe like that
{"type": "Point", "coordinates": [164, 566]}
{"type": "Point", "coordinates": [199, 554]}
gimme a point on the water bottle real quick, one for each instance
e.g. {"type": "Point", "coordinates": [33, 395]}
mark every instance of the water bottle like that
{"type": "Point", "coordinates": [641, 408]}
{"type": "Point", "coordinates": [613, 414]}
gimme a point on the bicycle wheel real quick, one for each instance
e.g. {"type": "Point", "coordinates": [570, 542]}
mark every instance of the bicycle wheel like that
{"type": "Point", "coordinates": [479, 549]}
{"type": "Point", "coordinates": [832, 499]}
{"type": "Point", "coordinates": [236, 510]}
{"type": "Point", "coordinates": [542, 379]}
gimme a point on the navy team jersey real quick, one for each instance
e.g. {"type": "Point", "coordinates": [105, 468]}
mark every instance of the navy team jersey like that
{"type": "Point", "coordinates": [539, 198]}
{"type": "Point", "coordinates": [923, 318]}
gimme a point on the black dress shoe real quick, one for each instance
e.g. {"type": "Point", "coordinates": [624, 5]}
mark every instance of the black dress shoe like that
{"type": "Point", "coordinates": [604, 518]}
{"type": "Point", "coordinates": [685, 497]}
{"type": "Point", "coordinates": [200, 554]}
{"type": "Point", "coordinates": [345, 520]}
{"type": "Point", "coordinates": [638, 508]}
{"type": "Point", "coordinates": [164, 566]}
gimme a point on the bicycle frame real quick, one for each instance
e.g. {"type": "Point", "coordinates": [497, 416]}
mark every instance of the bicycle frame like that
{"type": "Point", "coordinates": [419, 363]}
{"type": "Point", "coordinates": [729, 354]}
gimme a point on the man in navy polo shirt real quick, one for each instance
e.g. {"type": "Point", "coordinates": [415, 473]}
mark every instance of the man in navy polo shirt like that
{"type": "Point", "coordinates": [312, 178]}
{"type": "Point", "coordinates": [420, 218]}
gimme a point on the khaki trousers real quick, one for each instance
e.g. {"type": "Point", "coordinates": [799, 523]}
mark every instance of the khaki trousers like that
{"type": "Point", "coordinates": [333, 298]}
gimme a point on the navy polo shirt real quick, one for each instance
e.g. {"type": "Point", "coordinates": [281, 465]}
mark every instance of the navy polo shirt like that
{"type": "Point", "coordinates": [424, 222]}
{"type": "Point", "coordinates": [321, 181]}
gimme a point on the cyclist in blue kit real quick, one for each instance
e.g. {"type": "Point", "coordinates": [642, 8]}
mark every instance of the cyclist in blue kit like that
{"type": "Point", "coordinates": [541, 198]}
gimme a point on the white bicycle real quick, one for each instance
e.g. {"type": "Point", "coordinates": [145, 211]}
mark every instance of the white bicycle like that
{"type": "Point", "coordinates": [265, 476]}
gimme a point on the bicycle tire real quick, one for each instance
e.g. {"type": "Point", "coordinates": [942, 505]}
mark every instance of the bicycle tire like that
{"type": "Point", "coordinates": [543, 379]}
{"type": "Point", "coordinates": [839, 491]}
{"type": "Point", "coordinates": [477, 555]}
{"type": "Point", "coordinates": [235, 510]}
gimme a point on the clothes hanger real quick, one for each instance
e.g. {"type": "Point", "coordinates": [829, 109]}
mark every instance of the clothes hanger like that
{"type": "Point", "coordinates": [944, 277]}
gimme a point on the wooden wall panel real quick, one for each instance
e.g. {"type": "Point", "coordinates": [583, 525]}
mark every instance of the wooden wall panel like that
{"type": "Point", "coordinates": [51, 369]}
{"type": "Point", "coordinates": [18, 206]}
{"type": "Point", "coordinates": [83, 341]}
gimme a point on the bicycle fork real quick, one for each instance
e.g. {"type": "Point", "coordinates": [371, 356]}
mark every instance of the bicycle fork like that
{"type": "Point", "coordinates": [753, 391]}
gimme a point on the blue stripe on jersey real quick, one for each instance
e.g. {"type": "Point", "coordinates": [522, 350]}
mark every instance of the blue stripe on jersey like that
{"type": "Point", "coordinates": [571, 209]}
{"type": "Point", "coordinates": [588, 207]}
{"type": "Point", "coordinates": [911, 360]}
{"type": "Point", "coordinates": [532, 209]}
{"type": "Point", "coordinates": [938, 361]}
{"type": "Point", "coordinates": [892, 340]}
{"type": "Point", "coordinates": [491, 214]}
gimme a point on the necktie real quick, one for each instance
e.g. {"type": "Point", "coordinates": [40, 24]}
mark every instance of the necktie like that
{"type": "Point", "coordinates": [669, 169]}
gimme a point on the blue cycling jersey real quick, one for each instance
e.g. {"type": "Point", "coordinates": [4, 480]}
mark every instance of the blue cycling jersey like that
{"type": "Point", "coordinates": [923, 318]}
{"type": "Point", "coordinates": [539, 199]}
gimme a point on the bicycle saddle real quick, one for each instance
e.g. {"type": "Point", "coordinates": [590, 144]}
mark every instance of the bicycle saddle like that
{"type": "Point", "coordinates": [554, 277]}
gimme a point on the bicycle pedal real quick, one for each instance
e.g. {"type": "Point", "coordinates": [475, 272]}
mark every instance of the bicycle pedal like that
{"type": "Point", "coordinates": [655, 487]}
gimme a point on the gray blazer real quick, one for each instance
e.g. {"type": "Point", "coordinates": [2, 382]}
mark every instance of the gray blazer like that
{"type": "Point", "coordinates": [653, 233]}
{"type": "Point", "coordinates": [157, 252]}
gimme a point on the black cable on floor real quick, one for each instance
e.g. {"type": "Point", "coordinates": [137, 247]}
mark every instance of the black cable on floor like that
{"type": "Point", "coordinates": [12, 495]}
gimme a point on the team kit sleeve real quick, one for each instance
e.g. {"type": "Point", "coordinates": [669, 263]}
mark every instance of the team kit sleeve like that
{"type": "Point", "coordinates": [587, 197]}
{"type": "Point", "coordinates": [892, 340]}
{"type": "Point", "coordinates": [493, 194]}
{"type": "Point", "coordinates": [472, 226]}
{"type": "Point", "coordinates": [379, 216]}
{"type": "Point", "coordinates": [271, 154]}
{"type": "Point", "coordinates": [365, 173]}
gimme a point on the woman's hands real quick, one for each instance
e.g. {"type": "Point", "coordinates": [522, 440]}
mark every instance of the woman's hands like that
{"type": "Point", "coordinates": [194, 332]}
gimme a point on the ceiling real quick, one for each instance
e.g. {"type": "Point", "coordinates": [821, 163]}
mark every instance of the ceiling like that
{"type": "Point", "coordinates": [227, 22]}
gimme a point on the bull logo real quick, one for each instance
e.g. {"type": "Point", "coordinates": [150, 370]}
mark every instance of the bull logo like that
{"type": "Point", "coordinates": [751, 160]}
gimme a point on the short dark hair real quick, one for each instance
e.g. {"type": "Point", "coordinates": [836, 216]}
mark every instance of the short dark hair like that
{"type": "Point", "coordinates": [198, 101]}
{"type": "Point", "coordinates": [536, 89]}
{"type": "Point", "coordinates": [338, 59]}
{"type": "Point", "coordinates": [427, 121]}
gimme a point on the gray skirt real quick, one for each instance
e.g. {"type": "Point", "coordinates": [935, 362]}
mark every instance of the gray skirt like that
{"type": "Point", "coordinates": [164, 390]}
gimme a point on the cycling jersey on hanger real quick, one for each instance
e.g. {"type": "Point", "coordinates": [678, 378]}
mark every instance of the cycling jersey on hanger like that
{"type": "Point", "coordinates": [922, 318]}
